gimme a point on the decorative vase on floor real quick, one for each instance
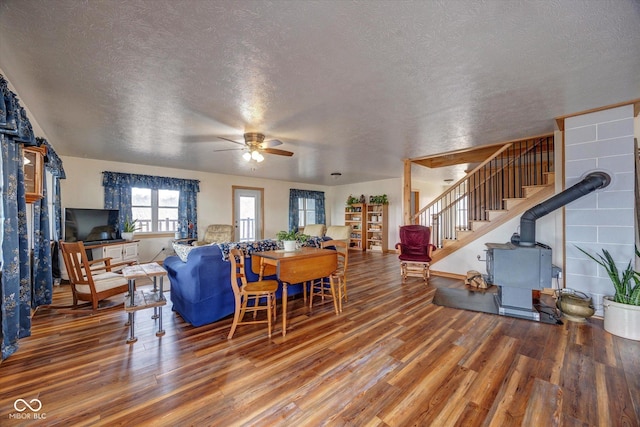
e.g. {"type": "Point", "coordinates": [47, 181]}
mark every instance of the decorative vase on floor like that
{"type": "Point", "coordinates": [622, 320]}
{"type": "Point", "coordinates": [127, 236]}
{"type": "Point", "coordinates": [574, 305]}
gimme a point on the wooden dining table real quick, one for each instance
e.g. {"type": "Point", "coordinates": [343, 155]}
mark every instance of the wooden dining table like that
{"type": "Point", "coordinates": [299, 266]}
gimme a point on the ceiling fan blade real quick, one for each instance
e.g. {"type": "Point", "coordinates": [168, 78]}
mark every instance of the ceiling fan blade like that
{"type": "Point", "coordinates": [271, 143]}
{"type": "Point", "coordinates": [277, 152]}
{"type": "Point", "coordinates": [229, 149]}
{"type": "Point", "coordinates": [231, 140]}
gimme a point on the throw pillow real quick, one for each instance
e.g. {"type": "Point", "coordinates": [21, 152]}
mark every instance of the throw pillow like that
{"type": "Point", "coordinates": [183, 250]}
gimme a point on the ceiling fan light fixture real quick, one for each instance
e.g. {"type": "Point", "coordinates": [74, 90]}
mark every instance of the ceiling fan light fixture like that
{"type": "Point", "coordinates": [255, 155]}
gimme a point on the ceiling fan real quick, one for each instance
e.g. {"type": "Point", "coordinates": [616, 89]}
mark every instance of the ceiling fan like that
{"type": "Point", "coordinates": [254, 145]}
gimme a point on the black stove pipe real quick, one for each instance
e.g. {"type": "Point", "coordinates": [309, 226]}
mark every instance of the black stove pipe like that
{"type": "Point", "coordinates": [592, 182]}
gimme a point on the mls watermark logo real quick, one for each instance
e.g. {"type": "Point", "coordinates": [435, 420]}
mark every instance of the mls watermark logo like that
{"type": "Point", "coordinates": [27, 410]}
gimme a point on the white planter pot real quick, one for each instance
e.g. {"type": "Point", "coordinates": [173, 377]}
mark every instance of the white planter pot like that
{"type": "Point", "coordinates": [622, 320]}
{"type": "Point", "coordinates": [127, 236]}
{"type": "Point", "coordinates": [289, 245]}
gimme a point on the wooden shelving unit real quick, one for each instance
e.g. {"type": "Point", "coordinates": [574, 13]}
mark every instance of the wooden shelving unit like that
{"type": "Point", "coordinates": [377, 234]}
{"type": "Point", "coordinates": [33, 166]}
{"type": "Point", "coordinates": [354, 215]}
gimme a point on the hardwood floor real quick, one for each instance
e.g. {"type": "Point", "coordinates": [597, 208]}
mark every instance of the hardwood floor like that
{"type": "Point", "coordinates": [392, 358]}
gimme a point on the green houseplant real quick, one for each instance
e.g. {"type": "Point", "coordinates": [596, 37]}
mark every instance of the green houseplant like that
{"type": "Point", "coordinates": [291, 238]}
{"type": "Point", "coordinates": [622, 310]}
{"type": "Point", "coordinates": [352, 200]}
{"type": "Point", "coordinates": [128, 228]}
{"type": "Point", "coordinates": [379, 200]}
{"type": "Point", "coordinates": [625, 282]}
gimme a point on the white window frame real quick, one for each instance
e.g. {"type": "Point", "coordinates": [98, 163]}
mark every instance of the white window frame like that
{"type": "Point", "coordinates": [302, 214]}
{"type": "Point", "coordinates": [154, 211]}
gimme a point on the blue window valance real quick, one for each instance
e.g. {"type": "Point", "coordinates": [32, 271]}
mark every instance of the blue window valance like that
{"type": "Point", "coordinates": [119, 180]}
{"type": "Point", "coordinates": [13, 118]}
{"type": "Point", "coordinates": [52, 163]}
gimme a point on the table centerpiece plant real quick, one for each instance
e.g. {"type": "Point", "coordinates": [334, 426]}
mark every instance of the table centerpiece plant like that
{"type": "Point", "coordinates": [291, 239]}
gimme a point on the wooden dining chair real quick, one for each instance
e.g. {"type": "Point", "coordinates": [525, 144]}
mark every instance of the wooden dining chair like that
{"type": "Point", "coordinates": [250, 291]}
{"type": "Point", "coordinates": [91, 281]}
{"type": "Point", "coordinates": [334, 286]}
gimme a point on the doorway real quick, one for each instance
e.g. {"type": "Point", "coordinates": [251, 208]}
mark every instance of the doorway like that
{"type": "Point", "coordinates": [248, 213]}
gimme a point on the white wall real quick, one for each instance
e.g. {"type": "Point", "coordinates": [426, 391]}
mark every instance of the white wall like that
{"type": "Point", "coordinates": [83, 189]}
{"type": "Point", "coordinates": [466, 258]}
{"type": "Point", "coordinates": [605, 219]}
{"type": "Point", "coordinates": [393, 189]}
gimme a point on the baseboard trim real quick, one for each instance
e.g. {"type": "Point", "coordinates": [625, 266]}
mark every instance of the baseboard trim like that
{"type": "Point", "coordinates": [449, 275]}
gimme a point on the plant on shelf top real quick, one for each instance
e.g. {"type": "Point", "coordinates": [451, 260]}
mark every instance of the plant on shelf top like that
{"type": "Point", "coordinates": [626, 282]}
{"type": "Point", "coordinates": [129, 226]}
{"type": "Point", "coordinates": [379, 200]}
{"type": "Point", "coordinates": [292, 235]}
{"type": "Point", "coordinates": [352, 200]}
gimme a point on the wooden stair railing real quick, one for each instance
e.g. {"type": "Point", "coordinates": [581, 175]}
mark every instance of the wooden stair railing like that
{"type": "Point", "coordinates": [513, 169]}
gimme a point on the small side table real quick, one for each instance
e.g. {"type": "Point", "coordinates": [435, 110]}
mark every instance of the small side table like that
{"type": "Point", "coordinates": [140, 300]}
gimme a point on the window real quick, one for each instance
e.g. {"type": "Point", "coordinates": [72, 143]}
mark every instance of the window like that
{"type": "Point", "coordinates": [306, 211]}
{"type": "Point", "coordinates": [155, 210]}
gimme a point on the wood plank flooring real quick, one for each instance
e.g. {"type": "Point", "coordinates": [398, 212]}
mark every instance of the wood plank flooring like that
{"type": "Point", "coordinates": [392, 358]}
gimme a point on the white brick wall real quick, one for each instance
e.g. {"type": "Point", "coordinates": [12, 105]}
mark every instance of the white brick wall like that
{"type": "Point", "coordinates": [604, 219]}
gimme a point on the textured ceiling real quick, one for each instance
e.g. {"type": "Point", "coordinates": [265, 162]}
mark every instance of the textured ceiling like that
{"type": "Point", "coordinates": [354, 86]}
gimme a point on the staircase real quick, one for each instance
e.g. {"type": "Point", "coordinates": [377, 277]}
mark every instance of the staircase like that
{"type": "Point", "coordinates": [516, 177]}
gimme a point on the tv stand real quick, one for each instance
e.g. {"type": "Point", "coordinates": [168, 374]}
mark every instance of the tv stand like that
{"type": "Point", "coordinates": [126, 250]}
{"type": "Point", "coordinates": [100, 243]}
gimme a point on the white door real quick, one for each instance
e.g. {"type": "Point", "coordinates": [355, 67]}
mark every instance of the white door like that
{"type": "Point", "coordinates": [247, 213]}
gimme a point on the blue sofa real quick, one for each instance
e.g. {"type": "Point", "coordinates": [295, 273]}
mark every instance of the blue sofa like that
{"type": "Point", "coordinates": [201, 286]}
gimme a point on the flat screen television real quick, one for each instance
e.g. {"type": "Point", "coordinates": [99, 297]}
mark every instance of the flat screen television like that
{"type": "Point", "coordinates": [91, 226]}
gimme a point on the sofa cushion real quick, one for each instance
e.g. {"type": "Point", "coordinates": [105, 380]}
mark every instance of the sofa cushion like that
{"type": "Point", "coordinates": [248, 247]}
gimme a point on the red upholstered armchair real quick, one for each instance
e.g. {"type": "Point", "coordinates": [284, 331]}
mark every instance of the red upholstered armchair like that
{"type": "Point", "coordinates": [415, 251]}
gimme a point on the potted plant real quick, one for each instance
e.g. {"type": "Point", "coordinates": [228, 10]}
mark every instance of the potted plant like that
{"type": "Point", "coordinates": [128, 228]}
{"type": "Point", "coordinates": [379, 200]}
{"type": "Point", "coordinates": [352, 201]}
{"type": "Point", "coordinates": [290, 239]}
{"type": "Point", "coordinates": [622, 310]}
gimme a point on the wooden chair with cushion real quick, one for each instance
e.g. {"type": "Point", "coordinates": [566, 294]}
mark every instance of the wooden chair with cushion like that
{"type": "Point", "coordinates": [91, 281]}
{"type": "Point", "coordinates": [336, 285]}
{"type": "Point", "coordinates": [250, 291]}
{"type": "Point", "coordinates": [414, 251]}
